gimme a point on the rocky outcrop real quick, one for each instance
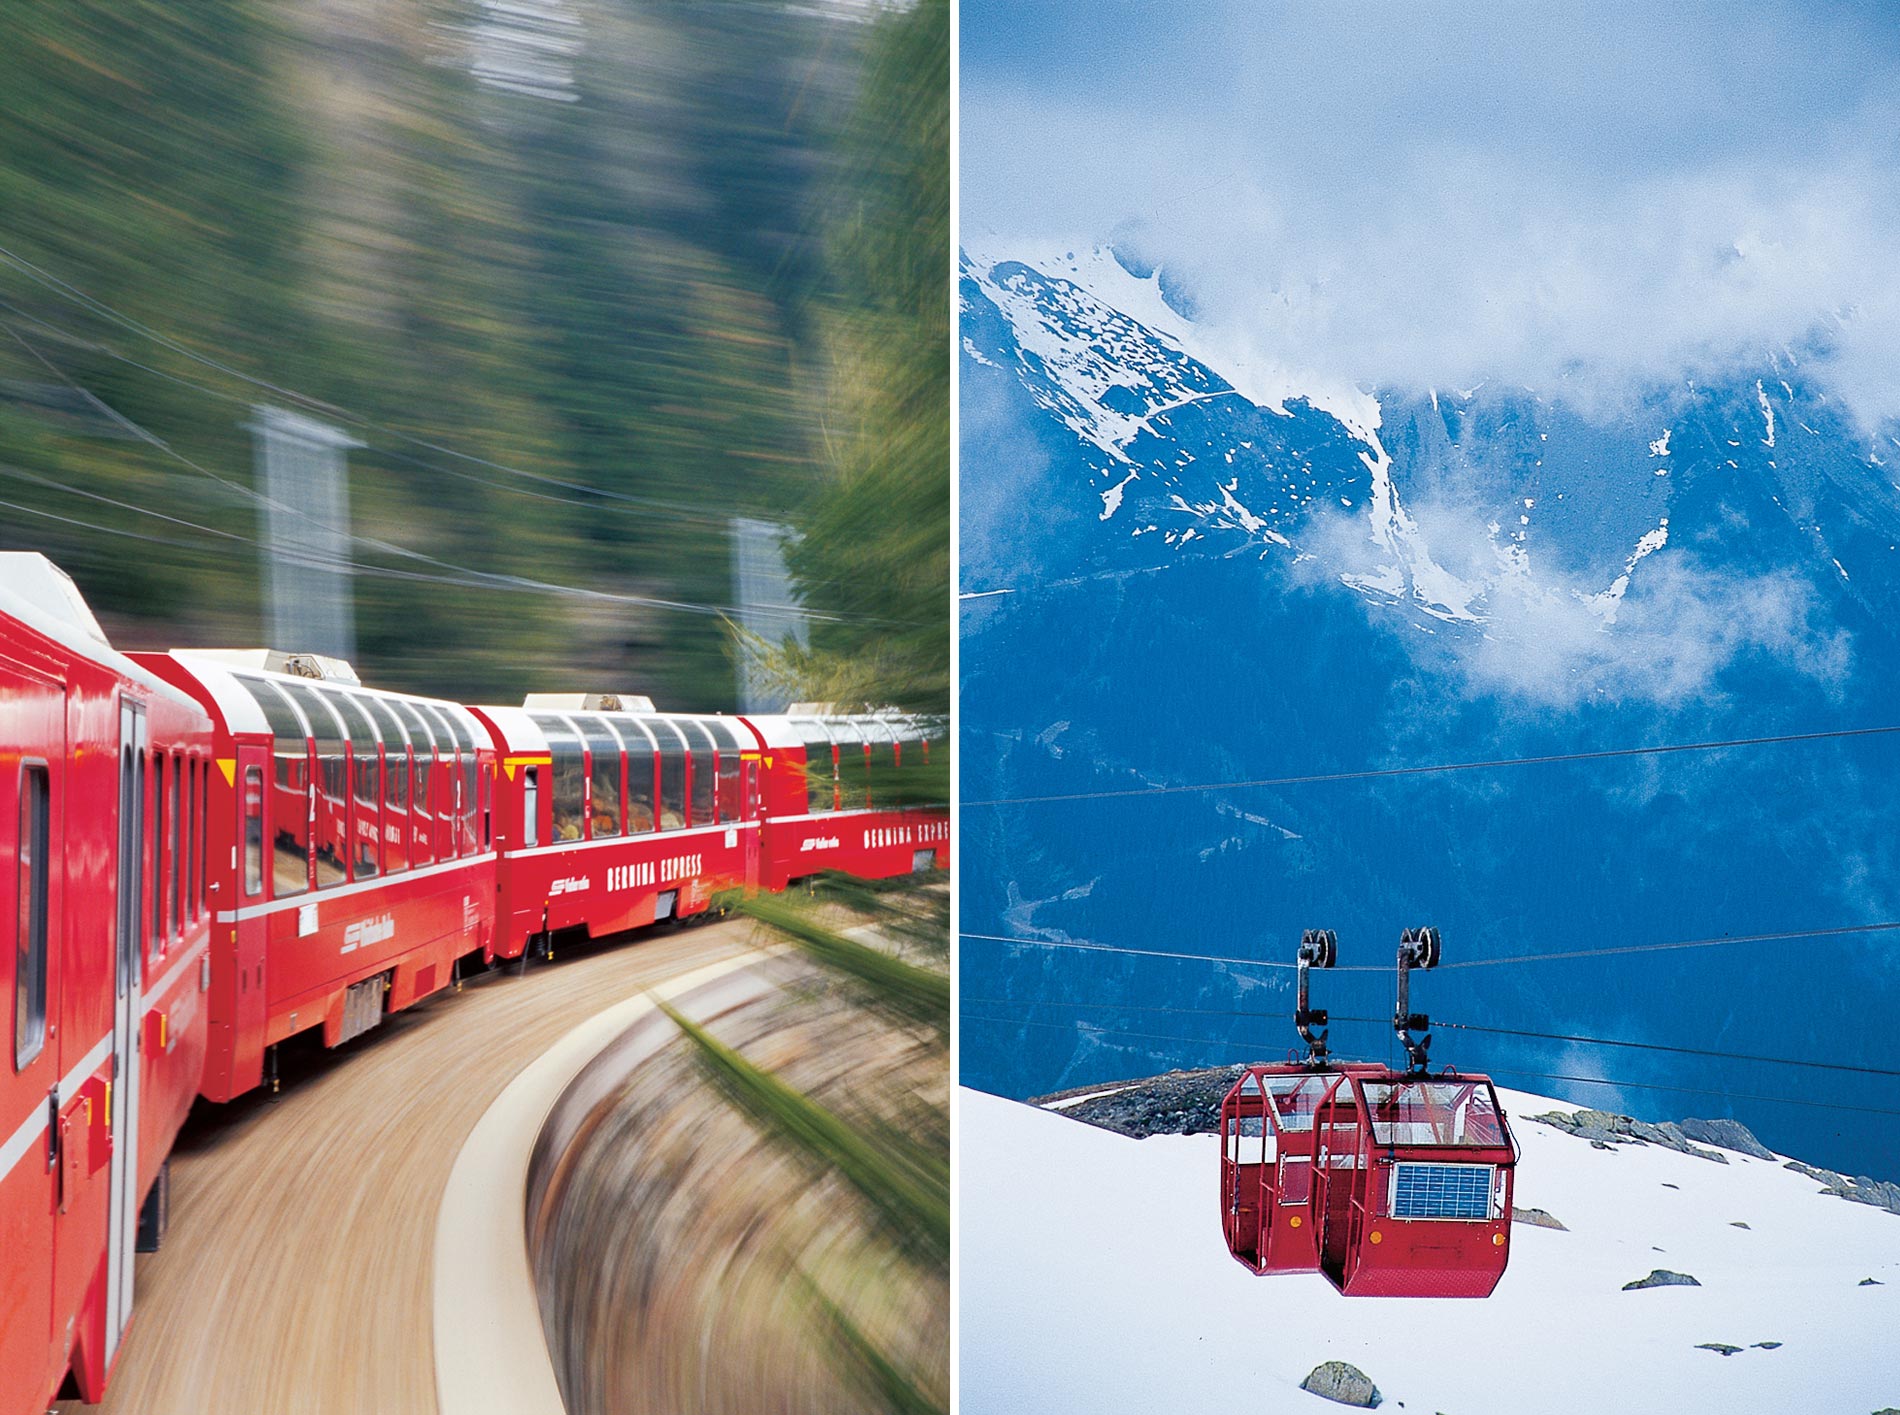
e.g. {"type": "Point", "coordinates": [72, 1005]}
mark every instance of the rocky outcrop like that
{"type": "Point", "coordinates": [1729, 1134]}
{"type": "Point", "coordinates": [1344, 1383]}
{"type": "Point", "coordinates": [1603, 1129]}
{"type": "Point", "coordinates": [1720, 1348]}
{"type": "Point", "coordinates": [1536, 1218]}
{"type": "Point", "coordinates": [1661, 1277]}
{"type": "Point", "coordinates": [1881, 1193]}
{"type": "Point", "coordinates": [1176, 1103]}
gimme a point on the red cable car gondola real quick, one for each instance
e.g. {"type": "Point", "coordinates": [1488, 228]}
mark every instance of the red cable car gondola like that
{"type": "Point", "coordinates": [1391, 1183]}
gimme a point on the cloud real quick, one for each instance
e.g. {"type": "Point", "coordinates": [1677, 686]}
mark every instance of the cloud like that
{"type": "Point", "coordinates": [1550, 638]}
{"type": "Point", "coordinates": [1588, 203]}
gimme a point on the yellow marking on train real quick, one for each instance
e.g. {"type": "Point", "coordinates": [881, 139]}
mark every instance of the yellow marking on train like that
{"type": "Point", "coordinates": [228, 765]}
{"type": "Point", "coordinates": [508, 764]}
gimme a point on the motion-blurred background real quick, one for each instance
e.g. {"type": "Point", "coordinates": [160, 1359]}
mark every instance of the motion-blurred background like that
{"type": "Point", "coordinates": [543, 337]}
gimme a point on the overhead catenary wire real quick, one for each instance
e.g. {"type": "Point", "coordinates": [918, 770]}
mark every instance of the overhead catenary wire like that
{"type": "Point", "coordinates": [1437, 1024]}
{"type": "Point", "coordinates": [1804, 1101]}
{"type": "Point", "coordinates": [621, 502]}
{"type": "Point", "coordinates": [1614, 950]}
{"type": "Point", "coordinates": [452, 573]}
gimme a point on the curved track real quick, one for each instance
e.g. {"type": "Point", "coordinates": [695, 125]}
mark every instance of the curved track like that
{"type": "Point", "coordinates": [298, 1273]}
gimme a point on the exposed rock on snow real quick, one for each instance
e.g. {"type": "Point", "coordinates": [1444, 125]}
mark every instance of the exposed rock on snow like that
{"type": "Point", "coordinates": [1878, 1192]}
{"type": "Point", "coordinates": [1603, 1129]}
{"type": "Point", "coordinates": [1537, 1218]}
{"type": "Point", "coordinates": [1661, 1277]}
{"type": "Point", "coordinates": [1342, 1382]}
{"type": "Point", "coordinates": [1730, 1135]}
{"type": "Point", "coordinates": [1720, 1348]}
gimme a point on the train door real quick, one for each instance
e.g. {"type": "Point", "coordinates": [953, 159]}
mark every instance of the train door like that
{"type": "Point", "coordinates": [31, 708]}
{"type": "Point", "coordinates": [250, 927]}
{"type": "Point", "coordinates": [749, 813]}
{"type": "Point", "coordinates": [123, 1211]}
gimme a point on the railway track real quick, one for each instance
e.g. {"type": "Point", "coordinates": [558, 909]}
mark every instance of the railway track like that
{"type": "Point", "coordinates": [297, 1275]}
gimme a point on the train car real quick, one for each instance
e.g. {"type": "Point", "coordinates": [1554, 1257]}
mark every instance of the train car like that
{"type": "Point", "coordinates": [105, 921]}
{"type": "Point", "coordinates": [827, 804]}
{"type": "Point", "coordinates": [352, 829]}
{"type": "Point", "coordinates": [609, 819]}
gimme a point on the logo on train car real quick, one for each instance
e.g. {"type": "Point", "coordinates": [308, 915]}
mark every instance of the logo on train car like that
{"type": "Point", "coordinates": [570, 886]}
{"type": "Point", "coordinates": [820, 842]}
{"type": "Point", "coordinates": [365, 933]}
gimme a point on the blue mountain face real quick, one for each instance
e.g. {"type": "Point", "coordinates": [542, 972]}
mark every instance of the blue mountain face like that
{"type": "Point", "coordinates": [1177, 578]}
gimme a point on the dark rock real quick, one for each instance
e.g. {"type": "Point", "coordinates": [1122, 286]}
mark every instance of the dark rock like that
{"type": "Point", "coordinates": [1667, 1185]}
{"type": "Point", "coordinates": [1737, 1223]}
{"type": "Point", "coordinates": [1343, 1383]}
{"type": "Point", "coordinates": [1729, 1134]}
{"type": "Point", "coordinates": [1602, 1129]}
{"type": "Point", "coordinates": [1176, 1103]}
{"type": "Point", "coordinates": [1769, 1345]}
{"type": "Point", "coordinates": [1878, 1192]}
{"type": "Point", "coordinates": [1720, 1348]}
{"type": "Point", "coordinates": [1870, 1282]}
{"type": "Point", "coordinates": [1661, 1277]}
{"type": "Point", "coordinates": [1536, 1218]}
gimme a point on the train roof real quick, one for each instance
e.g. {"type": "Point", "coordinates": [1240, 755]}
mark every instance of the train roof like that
{"type": "Point", "coordinates": [223, 674]}
{"type": "Point", "coordinates": [43, 597]}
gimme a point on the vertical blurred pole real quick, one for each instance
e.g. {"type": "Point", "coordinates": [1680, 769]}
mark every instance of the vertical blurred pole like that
{"type": "Point", "coordinates": [762, 590]}
{"type": "Point", "coordinates": [301, 471]}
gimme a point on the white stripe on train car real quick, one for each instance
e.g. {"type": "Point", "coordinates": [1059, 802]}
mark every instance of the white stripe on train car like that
{"type": "Point", "coordinates": [568, 847]}
{"type": "Point", "coordinates": [344, 891]}
{"type": "Point", "coordinates": [171, 974]}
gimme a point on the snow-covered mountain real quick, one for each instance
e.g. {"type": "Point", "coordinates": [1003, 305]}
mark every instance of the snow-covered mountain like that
{"type": "Point", "coordinates": [1094, 1279]}
{"type": "Point", "coordinates": [1187, 562]}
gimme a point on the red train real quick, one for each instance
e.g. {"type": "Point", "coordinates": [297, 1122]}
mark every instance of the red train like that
{"type": "Point", "coordinates": [204, 854]}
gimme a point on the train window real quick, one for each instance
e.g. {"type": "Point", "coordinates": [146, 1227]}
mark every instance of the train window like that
{"type": "Point", "coordinates": [702, 796]}
{"type": "Point", "coordinates": [729, 802]}
{"type": "Point", "coordinates": [176, 844]}
{"type": "Point", "coordinates": [290, 791]}
{"type": "Point", "coordinates": [605, 814]}
{"type": "Point", "coordinates": [448, 803]}
{"type": "Point", "coordinates": [422, 751]}
{"type": "Point", "coordinates": [883, 740]}
{"type": "Point", "coordinates": [253, 832]}
{"type": "Point", "coordinates": [472, 783]}
{"type": "Point", "coordinates": [852, 793]}
{"type": "Point", "coordinates": [640, 774]}
{"type": "Point", "coordinates": [531, 806]}
{"type": "Point", "coordinates": [193, 776]}
{"type": "Point", "coordinates": [395, 781]}
{"type": "Point", "coordinates": [33, 864]}
{"type": "Point", "coordinates": [567, 779]}
{"type": "Point", "coordinates": [158, 854]}
{"type": "Point", "coordinates": [366, 767]}
{"type": "Point", "coordinates": [821, 773]}
{"type": "Point", "coordinates": [332, 780]}
{"type": "Point", "coordinates": [672, 750]}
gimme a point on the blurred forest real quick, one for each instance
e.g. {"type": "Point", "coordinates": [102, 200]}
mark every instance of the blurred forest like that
{"type": "Point", "coordinates": [587, 278]}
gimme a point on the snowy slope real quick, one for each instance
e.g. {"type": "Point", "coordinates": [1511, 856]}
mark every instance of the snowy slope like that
{"type": "Point", "coordinates": [1093, 1278]}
